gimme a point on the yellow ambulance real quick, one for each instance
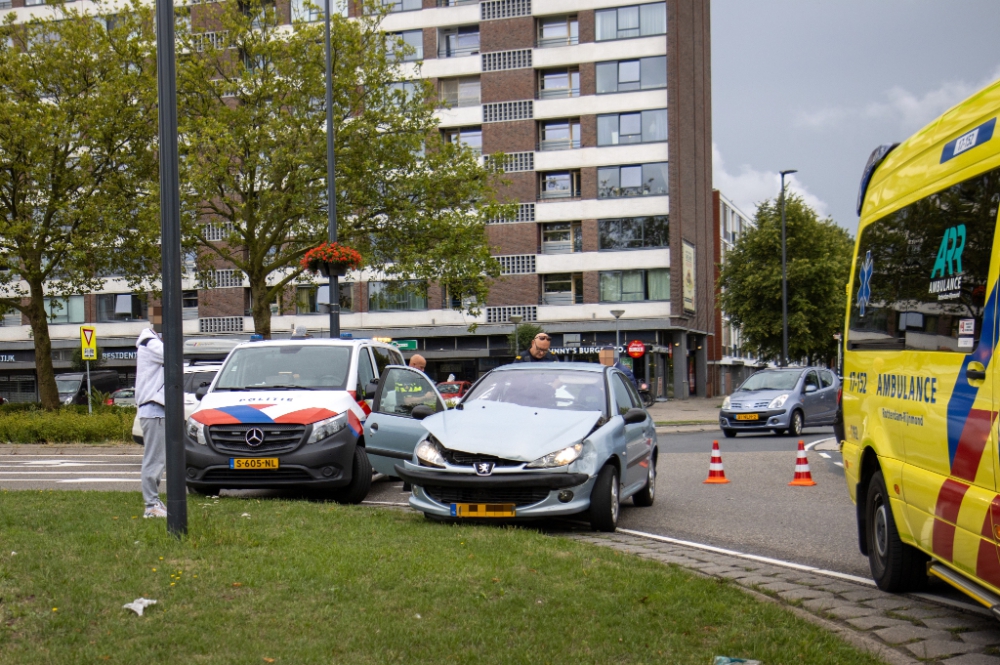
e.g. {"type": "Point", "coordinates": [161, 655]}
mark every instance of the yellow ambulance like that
{"type": "Point", "coordinates": [919, 424]}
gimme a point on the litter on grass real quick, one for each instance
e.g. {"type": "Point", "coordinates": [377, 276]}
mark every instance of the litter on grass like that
{"type": "Point", "coordinates": [138, 605]}
{"type": "Point", "coordinates": [726, 660]}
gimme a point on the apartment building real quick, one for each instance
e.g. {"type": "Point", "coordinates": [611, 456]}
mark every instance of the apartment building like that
{"type": "Point", "coordinates": [602, 109]}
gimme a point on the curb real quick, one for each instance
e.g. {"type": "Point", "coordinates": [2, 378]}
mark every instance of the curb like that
{"type": "Point", "coordinates": [42, 449]}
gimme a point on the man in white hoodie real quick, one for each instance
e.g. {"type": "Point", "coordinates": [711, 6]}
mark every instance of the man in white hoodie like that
{"type": "Point", "coordinates": [149, 398]}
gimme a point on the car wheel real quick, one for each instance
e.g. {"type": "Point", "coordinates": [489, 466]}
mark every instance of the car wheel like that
{"type": "Point", "coordinates": [895, 565]}
{"type": "Point", "coordinates": [647, 494]}
{"type": "Point", "coordinates": [730, 433]}
{"type": "Point", "coordinates": [604, 503]}
{"type": "Point", "coordinates": [795, 424]}
{"type": "Point", "coordinates": [361, 479]}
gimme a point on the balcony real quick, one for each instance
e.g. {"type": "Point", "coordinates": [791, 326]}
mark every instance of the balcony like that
{"type": "Point", "coordinates": [562, 298]}
{"type": "Point", "coordinates": [456, 3]}
{"type": "Point", "coordinates": [558, 144]}
{"type": "Point", "coordinates": [557, 93]}
{"type": "Point", "coordinates": [555, 42]}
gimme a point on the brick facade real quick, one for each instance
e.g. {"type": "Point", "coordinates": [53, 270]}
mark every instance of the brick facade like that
{"type": "Point", "coordinates": [507, 34]}
{"type": "Point", "coordinates": [517, 136]}
{"type": "Point", "coordinates": [514, 290]}
{"type": "Point", "coordinates": [507, 86]}
{"type": "Point", "coordinates": [513, 238]}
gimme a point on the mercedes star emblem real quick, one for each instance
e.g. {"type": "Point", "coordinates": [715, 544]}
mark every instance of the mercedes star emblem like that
{"type": "Point", "coordinates": [255, 437]}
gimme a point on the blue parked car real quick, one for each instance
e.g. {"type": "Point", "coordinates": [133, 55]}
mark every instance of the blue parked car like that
{"type": "Point", "coordinates": [782, 400]}
{"type": "Point", "coordinates": [527, 441]}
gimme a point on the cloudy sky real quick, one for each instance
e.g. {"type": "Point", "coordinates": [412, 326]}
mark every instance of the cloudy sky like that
{"type": "Point", "coordinates": [816, 86]}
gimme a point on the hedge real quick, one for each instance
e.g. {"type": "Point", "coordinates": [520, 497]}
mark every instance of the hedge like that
{"type": "Point", "coordinates": [27, 423]}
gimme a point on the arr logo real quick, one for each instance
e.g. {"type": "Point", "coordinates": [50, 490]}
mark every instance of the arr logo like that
{"type": "Point", "coordinates": [949, 256]}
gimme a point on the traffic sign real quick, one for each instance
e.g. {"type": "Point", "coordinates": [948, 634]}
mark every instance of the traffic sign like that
{"type": "Point", "coordinates": [88, 342]}
{"type": "Point", "coordinates": [636, 349]}
{"type": "Point", "coordinates": [405, 344]}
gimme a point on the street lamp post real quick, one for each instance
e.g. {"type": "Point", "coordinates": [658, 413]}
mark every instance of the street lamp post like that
{"type": "Point", "coordinates": [617, 313]}
{"type": "Point", "coordinates": [784, 276]}
{"type": "Point", "coordinates": [331, 183]}
{"type": "Point", "coordinates": [516, 319]}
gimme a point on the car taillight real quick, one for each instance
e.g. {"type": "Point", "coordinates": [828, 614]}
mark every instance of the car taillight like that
{"type": "Point", "coordinates": [840, 392]}
{"type": "Point", "coordinates": [109, 401]}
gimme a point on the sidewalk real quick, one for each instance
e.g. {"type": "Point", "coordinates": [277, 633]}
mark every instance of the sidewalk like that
{"type": "Point", "coordinates": [696, 414]}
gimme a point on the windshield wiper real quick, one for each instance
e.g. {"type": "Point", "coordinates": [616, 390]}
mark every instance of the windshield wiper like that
{"type": "Point", "coordinates": [286, 386]}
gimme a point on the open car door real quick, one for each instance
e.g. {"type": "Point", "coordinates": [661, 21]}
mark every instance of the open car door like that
{"type": "Point", "coordinates": [391, 431]}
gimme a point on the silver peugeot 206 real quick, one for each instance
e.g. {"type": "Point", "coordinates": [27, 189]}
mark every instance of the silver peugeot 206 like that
{"type": "Point", "coordinates": [527, 441]}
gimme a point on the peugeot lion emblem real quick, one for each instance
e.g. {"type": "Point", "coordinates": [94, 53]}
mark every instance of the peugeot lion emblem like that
{"type": "Point", "coordinates": [484, 468]}
{"type": "Point", "coordinates": [255, 437]}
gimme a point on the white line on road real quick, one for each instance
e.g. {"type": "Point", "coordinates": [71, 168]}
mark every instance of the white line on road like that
{"type": "Point", "coordinates": [54, 473]}
{"type": "Point", "coordinates": [70, 480]}
{"type": "Point", "coordinates": [824, 455]}
{"type": "Point", "coordinates": [813, 444]}
{"type": "Point", "coordinates": [384, 503]}
{"type": "Point", "coordinates": [840, 464]}
{"type": "Point", "coordinates": [751, 557]}
{"type": "Point", "coordinates": [49, 456]}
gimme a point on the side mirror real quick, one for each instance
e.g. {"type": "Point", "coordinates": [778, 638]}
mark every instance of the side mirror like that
{"type": "Point", "coordinates": [421, 411]}
{"type": "Point", "coordinates": [371, 388]}
{"type": "Point", "coordinates": [810, 388]}
{"type": "Point", "coordinates": [201, 392]}
{"type": "Point", "coordinates": [634, 416]}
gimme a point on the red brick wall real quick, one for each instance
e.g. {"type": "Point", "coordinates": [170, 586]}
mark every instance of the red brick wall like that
{"type": "Point", "coordinates": [589, 230]}
{"type": "Point", "coordinates": [514, 290]}
{"type": "Point", "coordinates": [590, 287]}
{"type": "Point", "coordinates": [588, 183]}
{"type": "Point", "coordinates": [430, 43]}
{"type": "Point", "coordinates": [507, 34]}
{"type": "Point", "coordinates": [508, 85]}
{"type": "Point", "coordinates": [519, 238]}
{"type": "Point", "coordinates": [220, 302]}
{"type": "Point", "coordinates": [518, 136]}
{"type": "Point", "coordinates": [588, 78]}
{"type": "Point", "coordinates": [588, 131]}
{"type": "Point", "coordinates": [586, 26]}
{"type": "Point", "coordinates": [520, 187]}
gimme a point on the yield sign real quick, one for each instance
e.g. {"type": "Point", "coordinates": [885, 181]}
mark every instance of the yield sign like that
{"type": "Point", "coordinates": [88, 342]}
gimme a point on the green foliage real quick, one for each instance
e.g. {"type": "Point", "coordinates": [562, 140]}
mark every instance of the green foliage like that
{"type": "Point", "coordinates": [819, 263]}
{"type": "Point", "coordinates": [28, 423]}
{"type": "Point", "coordinates": [525, 334]}
{"type": "Point", "coordinates": [253, 157]}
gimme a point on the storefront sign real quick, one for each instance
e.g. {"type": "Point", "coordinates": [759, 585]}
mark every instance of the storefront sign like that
{"type": "Point", "coordinates": [7, 358]}
{"type": "Point", "coordinates": [579, 350]}
{"type": "Point", "coordinates": [119, 355]}
{"type": "Point", "coordinates": [636, 349]}
{"type": "Point", "coordinates": [688, 272]}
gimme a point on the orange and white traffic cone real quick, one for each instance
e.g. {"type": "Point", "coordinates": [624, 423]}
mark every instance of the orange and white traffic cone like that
{"type": "Point", "coordinates": [803, 478]}
{"type": "Point", "coordinates": [716, 474]}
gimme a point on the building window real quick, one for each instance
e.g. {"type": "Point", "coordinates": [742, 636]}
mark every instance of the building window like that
{"type": "Point", "coordinates": [560, 185]}
{"type": "Point", "coordinates": [614, 182]}
{"type": "Point", "coordinates": [413, 39]}
{"type": "Point", "coordinates": [402, 5]}
{"type": "Point", "coordinates": [396, 296]}
{"type": "Point", "coordinates": [309, 298]}
{"type": "Point", "coordinates": [189, 304]}
{"type": "Point", "coordinates": [112, 307]}
{"type": "Point", "coordinates": [628, 75]}
{"type": "Point", "coordinates": [470, 137]}
{"type": "Point", "coordinates": [562, 289]}
{"type": "Point", "coordinates": [458, 42]}
{"type": "Point", "coordinates": [633, 233]}
{"type": "Point", "coordinates": [629, 22]}
{"type": "Point", "coordinates": [559, 83]}
{"type": "Point", "coordinates": [408, 89]}
{"type": "Point", "coordinates": [562, 238]}
{"type": "Point", "coordinates": [558, 31]}
{"type": "Point", "coordinates": [63, 310]}
{"type": "Point", "coordinates": [559, 134]}
{"type": "Point", "coordinates": [638, 127]}
{"type": "Point", "coordinates": [10, 318]}
{"type": "Point", "coordinates": [635, 285]}
{"type": "Point", "coordinates": [461, 92]}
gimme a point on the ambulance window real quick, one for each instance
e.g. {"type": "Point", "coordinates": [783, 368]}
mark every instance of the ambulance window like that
{"type": "Point", "coordinates": [365, 373]}
{"type": "Point", "coordinates": [920, 273]}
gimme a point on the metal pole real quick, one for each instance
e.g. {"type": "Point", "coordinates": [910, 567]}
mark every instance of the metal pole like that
{"type": "Point", "coordinates": [170, 237]}
{"type": "Point", "coordinates": [90, 393]}
{"type": "Point", "coordinates": [784, 277]}
{"type": "Point", "coordinates": [331, 182]}
{"type": "Point", "coordinates": [617, 314]}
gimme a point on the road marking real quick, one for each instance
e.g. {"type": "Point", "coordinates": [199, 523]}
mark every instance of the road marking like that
{"type": "Point", "coordinates": [49, 456]}
{"type": "Point", "coordinates": [100, 480]}
{"type": "Point", "coordinates": [54, 473]}
{"type": "Point", "coordinates": [840, 464]}
{"type": "Point", "coordinates": [824, 455]}
{"type": "Point", "coordinates": [751, 557]}
{"type": "Point", "coordinates": [813, 444]}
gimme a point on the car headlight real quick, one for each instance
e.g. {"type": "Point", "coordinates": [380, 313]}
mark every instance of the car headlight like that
{"type": "Point", "coordinates": [196, 431]}
{"type": "Point", "coordinates": [429, 453]}
{"type": "Point", "coordinates": [558, 458]}
{"type": "Point", "coordinates": [327, 428]}
{"type": "Point", "coordinates": [725, 404]}
{"type": "Point", "coordinates": [777, 402]}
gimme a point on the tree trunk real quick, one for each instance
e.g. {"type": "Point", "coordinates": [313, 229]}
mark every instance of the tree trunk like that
{"type": "Point", "coordinates": [260, 308]}
{"type": "Point", "coordinates": [43, 348]}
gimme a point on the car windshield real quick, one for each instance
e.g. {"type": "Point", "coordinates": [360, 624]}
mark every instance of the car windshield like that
{"type": "Point", "coordinates": [544, 388]}
{"type": "Point", "coordinates": [449, 388]}
{"type": "Point", "coordinates": [286, 367]}
{"type": "Point", "coordinates": [194, 380]}
{"type": "Point", "coordinates": [784, 379]}
{"type": "Point", "coordinates": [68, 385]}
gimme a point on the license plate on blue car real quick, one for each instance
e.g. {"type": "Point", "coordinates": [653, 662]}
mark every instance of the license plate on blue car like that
{"type": "Point", "coordinates": [482, 510]}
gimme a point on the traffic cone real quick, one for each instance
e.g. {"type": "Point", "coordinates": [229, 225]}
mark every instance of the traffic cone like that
{"type": "Point", "coordinates": [716, 474]}
{"type": "Point", "coordinates": [803, 478]}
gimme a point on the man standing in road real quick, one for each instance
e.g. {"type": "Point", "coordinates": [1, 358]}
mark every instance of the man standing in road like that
{"type": "Point", "coordinates": [607, 357]}
{"type": "Point", "coordinates": [539, 351]}
{"type": "Point", "coordinates": [149, 398]}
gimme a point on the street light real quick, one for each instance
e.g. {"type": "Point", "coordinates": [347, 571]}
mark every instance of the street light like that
{"type": "Point", "coordinates": [516, 319]}
{"type": "Point", "coordinates": [617, 313]}
{"type": "Point", "coordinates": [331, 184]}
{"type": "Point", "coordinates": [784, 276]}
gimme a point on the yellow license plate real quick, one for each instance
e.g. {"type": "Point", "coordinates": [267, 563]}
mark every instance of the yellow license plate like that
{"type": "Point", "coordinates": [253, 463]}
{"type": "Point", "coordinates": [482, 510]}
{"type": "Point", "coordinates": [746, 416]}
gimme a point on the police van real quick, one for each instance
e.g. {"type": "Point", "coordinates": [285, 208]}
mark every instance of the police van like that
{"type": "Point", "coordinates": [287, 414]}
{"type": "Point", "coordinates": [920, 402]}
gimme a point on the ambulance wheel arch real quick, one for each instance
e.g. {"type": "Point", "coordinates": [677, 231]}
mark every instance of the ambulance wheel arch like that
{"type": "Point", "coordinates": [895, 566]}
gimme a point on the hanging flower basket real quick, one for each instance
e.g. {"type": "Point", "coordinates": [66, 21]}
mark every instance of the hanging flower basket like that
{"type": "Point", "coordinates": [331, 258]}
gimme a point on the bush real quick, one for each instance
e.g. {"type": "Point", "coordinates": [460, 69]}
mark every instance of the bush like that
{"type": "Point", "coordinates": [28, 423]}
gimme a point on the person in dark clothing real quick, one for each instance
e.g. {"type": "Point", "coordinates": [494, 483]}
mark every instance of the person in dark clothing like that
{"type": "Point", "coordinates": [539, 351]}
{"type": "Point", "coordinates": [607, 357]}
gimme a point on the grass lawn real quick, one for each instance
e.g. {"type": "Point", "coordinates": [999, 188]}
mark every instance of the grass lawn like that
{"type": "Point", "coordinates": [279, 581]}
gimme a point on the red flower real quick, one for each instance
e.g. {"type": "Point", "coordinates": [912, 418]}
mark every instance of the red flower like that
{"type": "Point", "coordinates": [331, 253]}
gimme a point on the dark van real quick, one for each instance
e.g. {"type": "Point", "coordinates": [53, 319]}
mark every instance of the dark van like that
{"type": "Point", "coordinates": [73, 387]}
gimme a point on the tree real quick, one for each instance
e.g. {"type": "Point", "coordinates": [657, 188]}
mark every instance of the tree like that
{"type": "Point", "coordinates": [77, 160]}
{"type": "Point", "coordinates": [819, 263]}
{"type": "Point", "coordinates": [253, 161]}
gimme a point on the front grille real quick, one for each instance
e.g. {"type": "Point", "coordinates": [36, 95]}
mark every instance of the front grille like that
{"type": "Point", "coordinates": [255, 475]}
{"type": "Point", "coordinates": [460, 458]}
{"type": "Point", "coordinates": [519, 496]}
{"type": "Point", "coordinates": [754, 405]}
{"type": "Point", "coordinates": [278, 438]}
